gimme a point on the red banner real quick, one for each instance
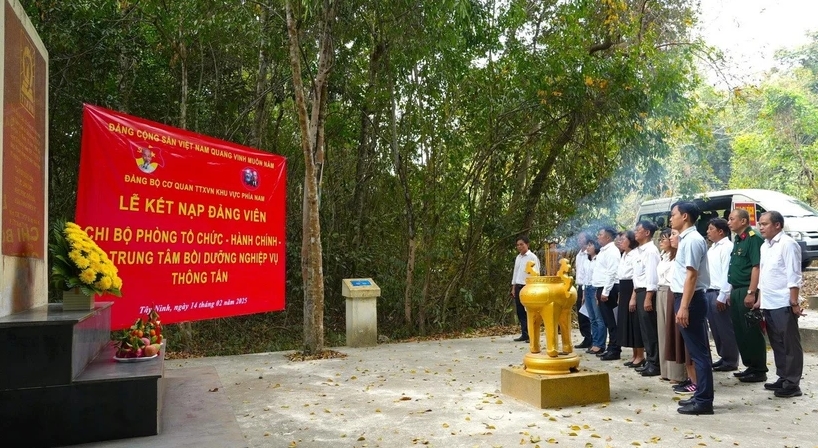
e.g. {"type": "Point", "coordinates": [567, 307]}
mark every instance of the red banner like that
{"type": "Point", "coordinates": [195, 225]}
{"type": "Point", "coordinates": [750, 207]}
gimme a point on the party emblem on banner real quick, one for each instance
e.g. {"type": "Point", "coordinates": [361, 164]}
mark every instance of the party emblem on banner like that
{"type": "Point", "coordinates": [249, 177]}
{"type": "Point", "coordinates": [148, 158]}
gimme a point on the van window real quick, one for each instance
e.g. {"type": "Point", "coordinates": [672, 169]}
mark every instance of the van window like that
{"type": "Point", "coordinates": [661, 219]}
{"type": "Point", "coordinates": [793, 208]}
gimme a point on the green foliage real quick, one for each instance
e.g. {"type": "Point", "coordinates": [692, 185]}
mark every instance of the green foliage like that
{"type": "Point", "coordinates": [454, 124]}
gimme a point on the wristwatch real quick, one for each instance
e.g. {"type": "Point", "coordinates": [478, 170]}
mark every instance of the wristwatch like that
{"type": "Point", "coordinates": [751, 293]}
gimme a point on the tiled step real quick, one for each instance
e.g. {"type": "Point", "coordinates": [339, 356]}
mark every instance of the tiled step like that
{"type": "Point", "coordinates": [46, 346]}
{"type": "Point", "coordinates": [108, 401]}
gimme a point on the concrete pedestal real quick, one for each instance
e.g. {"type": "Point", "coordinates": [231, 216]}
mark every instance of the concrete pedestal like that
{"type": "Point", "coordinates": [556, 391]}
{"type": "Point", "coordinates": [362, 321]}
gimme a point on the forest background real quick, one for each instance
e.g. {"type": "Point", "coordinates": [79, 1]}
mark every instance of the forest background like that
{"type": "Point", "coordinates": [423, 136]}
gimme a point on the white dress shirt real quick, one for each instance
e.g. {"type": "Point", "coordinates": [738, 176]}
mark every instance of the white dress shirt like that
{"type": "Point", "coordinates": [664, 269]}
{"type": "Point", "coordinates": [581, 265]}
{"type": "Point", "coordinates": [718, 261]}
{"type": "Point", "coordinates": [645, 273]}
{"type": "Point", "coordinates": [626, 264]}
{"type": "Point", "coordinates": [692, 253]}
{"type": "Point", "coordinates": [780, 270]}
{"type": "Point", "coordinates": [606, 268]}
{"type": "Point", "coordinates": [519, 275]}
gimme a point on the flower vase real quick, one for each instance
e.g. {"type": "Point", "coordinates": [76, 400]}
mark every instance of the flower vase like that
{"type": "Point", "coordinates": [75, 300]}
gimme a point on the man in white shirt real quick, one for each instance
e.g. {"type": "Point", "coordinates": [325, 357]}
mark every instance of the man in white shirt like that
{"type": "Point", "coordinates": [645, 285]}
{"type": "Point", "coordinates": [604, 279]}
{"type": "Point", "coordinates": [581, 266]}
{"type": "Point", "coordinates": [518, 281]}
{"type": "Point", "coordinates": [779, 284]}
{"type": "Point", "coordinates": [718, 296]}
{"type": "Point", "coordinates": [690, 278]}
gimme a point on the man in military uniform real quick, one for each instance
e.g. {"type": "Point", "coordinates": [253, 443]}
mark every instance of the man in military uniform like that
{"type": "Point", "coordinates": [742, 275]}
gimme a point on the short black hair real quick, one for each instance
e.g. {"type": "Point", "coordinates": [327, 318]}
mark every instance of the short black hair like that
{"type": "Point", "coordinates": [720, 224]}
{"type": "Point", "coordinates": [775, 217]}
{"type": "Point", "coordinates": [595, 243]}
{"type": "Point", "coordinates": [609, 230]}
{"type": "Point", "coordinates": [648, 225]}
{"type": "Point", "coordinates": [523, 238]}
{"type": "Point", "coordinates": [689, 208]}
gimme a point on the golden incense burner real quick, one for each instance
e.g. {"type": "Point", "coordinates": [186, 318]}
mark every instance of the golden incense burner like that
{"type": "Point", "coordinates": [549, 299]}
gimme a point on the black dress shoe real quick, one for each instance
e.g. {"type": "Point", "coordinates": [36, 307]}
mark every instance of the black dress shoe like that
{"type": "Point", "coordinates": [695, 409]}
{"type": "Point", "coordinates": [744, 372]}
{"type": "Point", "coordinates": [602, 353]}
{"type": "Point", "coordinates": [778, 384]}
{"type": "Point", "coordinates": [717, 363]}
{"type": "Point", "coordinates": [584, 344]}
{"type": "Point", "coordinates": [788, 392]}
{"type": "Point", "coordinates": [594, 352]}
{"type": "Point", "coordinates": [628, 364]}
{"type": "Point", "coordinates": [651, 371]}
{"type": "Point", "coordinates": [521, 339]}
{"type": "Point", "coordinates": [686, 402]}
{"type": "Point", "coordinates": [610, 356]}
{"type": "Point", "coordinates": [641, 369]}
{"type": "Point", "coordinates": [753, 378]}
{"type": "Point", "coordinates": [724, 368]}
{"type": "Point", "coordinates": [638, 365]}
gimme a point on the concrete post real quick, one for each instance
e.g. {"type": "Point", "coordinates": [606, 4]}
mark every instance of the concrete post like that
{"type": "Point", "coordinates": [361, 311]}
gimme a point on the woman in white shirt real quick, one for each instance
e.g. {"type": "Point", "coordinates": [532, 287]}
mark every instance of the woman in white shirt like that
{"type": "Point", "coordinates": [669, 368]}
{"type": "Point", "coordinates": [627, 323]}
{"type": "Point", "coordinates": [598, 330]}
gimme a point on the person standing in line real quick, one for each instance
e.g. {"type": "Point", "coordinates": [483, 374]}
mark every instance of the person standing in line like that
{"type": "Point", "coordinates": [669, 369]}
{"type": "Point", "coordinates": [627, 323]}
{"type": "Point", "coordinates": [677, 352]}
{"type": "Point", "coordinates": [779, 285]}
{"type": "Point", "coordinates": [518, 282]}
{"type": "Point", "coordinates": [646, 284]}
{"type": "Point", "coordinates": [743, 278]}
{"type": "Point", "coordinates": [582, 278]}
{"type": "Point", "coordinates": [690, 279]}
{"type": "Point", "coordinates": [718, 296]}
{"type": "Point", "coordinates": [591, 304]}
{"type": "Point", "coordinates": [604, 280]}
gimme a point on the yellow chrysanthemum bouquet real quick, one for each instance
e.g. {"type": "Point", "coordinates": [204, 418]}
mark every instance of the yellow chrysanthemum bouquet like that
{"type": "Point", "coordinates": [79, 263]}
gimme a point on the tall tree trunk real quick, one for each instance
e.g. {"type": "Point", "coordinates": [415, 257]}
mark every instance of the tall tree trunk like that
{"type": "Point", "coordinates": [262, 83]}
{"type": "Point", "coordinates": [366, 144]}
{"type": "Point", "coordinates": [401, 169]}
{"type": "Point", "coordinates": [182, 49]}
{"type": "Point", "coordinates": [544, 168]}
{"type": "Point", "coordinates": [312, 144]}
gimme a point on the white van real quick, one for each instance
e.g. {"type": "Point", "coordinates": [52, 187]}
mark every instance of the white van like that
{"type": "Point", "coordinates": [800, 219]}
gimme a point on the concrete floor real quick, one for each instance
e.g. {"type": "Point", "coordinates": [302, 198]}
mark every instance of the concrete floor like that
{"type": "Point", "coordinates": [447, 393]}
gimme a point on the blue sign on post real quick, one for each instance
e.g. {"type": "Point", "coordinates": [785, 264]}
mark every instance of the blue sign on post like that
{"type": "Point", "coordinates": [361, 283]}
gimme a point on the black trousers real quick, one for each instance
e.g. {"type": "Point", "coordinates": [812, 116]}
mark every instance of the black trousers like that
{"type": "Point", "coordinates": [648, 327]}
{"type": "Point", "coordinates": [582, 320]}
{"type": "Point", "coordinates": [782, 329]}
{"type": "Point", "coordinates": [522, 316]}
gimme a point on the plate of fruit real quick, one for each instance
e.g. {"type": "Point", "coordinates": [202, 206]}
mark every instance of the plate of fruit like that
{"type": "Point", "coordinates": [142, 341]}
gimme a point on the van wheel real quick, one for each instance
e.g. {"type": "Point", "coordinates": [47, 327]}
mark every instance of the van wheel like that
{"type": "Point", "coordinates": [805, 264]}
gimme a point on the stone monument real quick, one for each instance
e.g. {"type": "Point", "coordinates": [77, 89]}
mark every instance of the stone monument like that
{"type": "Point", "coordinates": [24, 156]}
{"type": "Point", "coordinates": [58, 382]}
